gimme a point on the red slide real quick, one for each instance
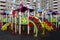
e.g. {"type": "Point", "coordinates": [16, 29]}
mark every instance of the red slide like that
{"type": "Point", "coordinates": [49, 23]}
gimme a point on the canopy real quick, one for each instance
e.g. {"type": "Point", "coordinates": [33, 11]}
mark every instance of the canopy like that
{"type": "Point", "coordinates": [7, 12]}
{"type": "Point", "coordinates": [40, 10]}
{"type": "Point", "coordinates": [54, 13]}
{"type": "Point", "coordinates": [30, 7]}
{"type": "Point", "coordinates": [49, 12]}
{"type": "Point", "coordinates": [23, 8]}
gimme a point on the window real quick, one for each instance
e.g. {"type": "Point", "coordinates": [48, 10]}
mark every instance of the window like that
{"type": "Point", "coordinates": [3, 5]}
{"type": "Point", "coordinates": [55, 8]}
{"type": "Point", "coordinates": [55, 2]}
{"type": "Point", "coordinates": [28, 0]}
{"type": "Point", "coordinates": [11, 0]}
{"type": "Point", "coordinates": [55, 5]}
{"type": "Point", "coordinates": [17, 5]}
{"type": "Point", "coordinates": [2, 2]}
{"type": "Point", "coordinates": [2, 9]}
{"type": "Point", "coordinates": [20, 0]}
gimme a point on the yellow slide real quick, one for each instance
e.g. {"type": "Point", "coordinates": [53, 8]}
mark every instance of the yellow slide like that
{"type": "Point", "coordinates": [4, 27]}
{"type": "Point", "coordinates": [45, 25]}
{"type": "Point", "coordinates": [49, 28]}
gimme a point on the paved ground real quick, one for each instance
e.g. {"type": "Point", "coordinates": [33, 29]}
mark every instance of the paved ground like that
{"type": "Point", "coordinates": [8, 36]}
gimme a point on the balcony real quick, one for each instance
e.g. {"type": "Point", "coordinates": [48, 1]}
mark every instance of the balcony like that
{"type": "Point", "coordinates": [2, 4]}
{"type": "Point", "coordinates": [55, 7]}
{"type": "Point", "coordinates": [55, 4]}
{"type": "Point", "coordinates": [55, 1]}
{"type": "Point", "coordinates": [2, 7]}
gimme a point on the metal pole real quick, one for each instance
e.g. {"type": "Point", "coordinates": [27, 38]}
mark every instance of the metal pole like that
{"type": "Point", "coordinates": [56, 21]}
{"type": "Point", "coordinates": [28, 22]}
{"type": "Point", "coordinates": [42, 14]}
{"type": "Point", "coordinates": [15, 24]}
{"type": "Point", "coordinates": [12, 22]}
{"type": "Point", "coordinates": [19, 22]}
{"type": "Point", "coordinates": [51, 17]}
{"type": "Point", "coordinates": [34, 15]}
{"type": "Point", "coordinates": [11, 19]}
{"type": "Point", "coordinates": [6, 18]}
{"type": "Point", "coordinates": [2, 19]}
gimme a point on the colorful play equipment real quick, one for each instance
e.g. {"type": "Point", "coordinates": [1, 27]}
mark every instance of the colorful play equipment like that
{"type": "Point", "coordinates": [4, 27]}
{"type": "Point", "coordinates": [31, 24]}
{"type": "Point", "coordinates": [35, 21]}
{"type": "Point", "coordinates": [43, 25]}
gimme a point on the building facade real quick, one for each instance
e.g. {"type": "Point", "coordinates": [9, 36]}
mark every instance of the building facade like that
{"type": "Point", "coordinates": [12, 3]}
{"type": "Point", "coordinates": [54, 5]}
{"type": "Point", "coordinates": [8, 4]}
{"type": "Point", "coordinates": [46, 4]}
{"type": "Point", "coordinates": [2, 5]}
{"type": "Point", "coordinates": [50, 4]}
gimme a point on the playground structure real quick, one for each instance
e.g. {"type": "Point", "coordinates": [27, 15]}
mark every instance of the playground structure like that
{"type": "Point", "coordinates": [30, 21]}
{"type": "Point", "coordinates": [25, 23]}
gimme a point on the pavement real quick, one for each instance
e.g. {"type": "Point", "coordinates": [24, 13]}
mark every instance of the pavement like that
{"type": "Point", "coordinates": [5, 35]}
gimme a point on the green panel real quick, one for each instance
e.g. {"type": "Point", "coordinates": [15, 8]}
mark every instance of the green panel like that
{"type": "Point", "coordinates": [53, 20]}
{"type": "Point", "coordinates": [4, 19]}
{"type": "Point", "coordinates": [15, 20]}
{"type": "Point", "coordinates": [24, 20]}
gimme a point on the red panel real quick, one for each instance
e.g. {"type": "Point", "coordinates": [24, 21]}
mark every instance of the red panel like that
{"type": "Point", "coordinates": [0, 24]}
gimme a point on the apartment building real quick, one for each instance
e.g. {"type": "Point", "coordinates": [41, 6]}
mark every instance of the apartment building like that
{"type": "Point", "coordinates": [8, 4]}
{"type": "Point", "coordinates": [2, 5]}
{"type": "Point", "coordinates": [54, 5]}
{"type": "Point", "coordinates": [13, 3]}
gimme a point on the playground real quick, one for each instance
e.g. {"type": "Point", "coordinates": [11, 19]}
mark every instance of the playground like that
{"type": "Point", "coordinates": [26, 21]}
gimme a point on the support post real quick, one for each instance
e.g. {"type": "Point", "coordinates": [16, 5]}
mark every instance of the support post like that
{"type": "Point", "coordinates": [28, 22]}
{"type": "Point", "coordinates": [19, 22]}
